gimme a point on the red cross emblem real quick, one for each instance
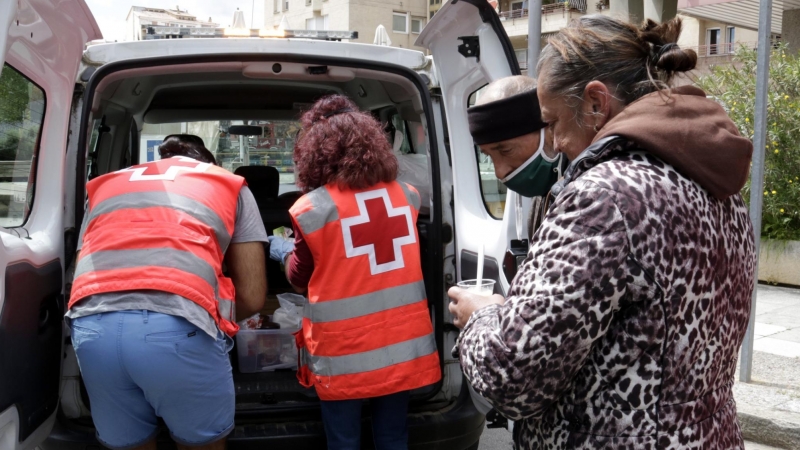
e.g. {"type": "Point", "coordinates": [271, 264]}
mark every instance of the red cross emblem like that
{"type": "Point", "coordinates": [379, 231]}
{"type": "Point", "coordinates": [151, 172]}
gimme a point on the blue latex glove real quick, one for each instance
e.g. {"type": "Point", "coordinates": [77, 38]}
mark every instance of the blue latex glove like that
{"type": "Point", "coordinates": [279, 248]}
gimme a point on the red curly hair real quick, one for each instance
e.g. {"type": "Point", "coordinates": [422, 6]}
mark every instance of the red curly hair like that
{"type": "Point", "coordinates": [343, 145]}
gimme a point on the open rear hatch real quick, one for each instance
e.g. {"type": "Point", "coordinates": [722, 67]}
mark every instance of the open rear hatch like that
{"type": "Point", "coordinates": [133, 103]}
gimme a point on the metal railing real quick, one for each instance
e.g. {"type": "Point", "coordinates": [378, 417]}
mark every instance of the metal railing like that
{"type": "Point", "coordinates": [563, 7]}
{"type": "Point", "coordinates": [555, 8]}
{"type": "Point", "coordinates": [515, 14]}
{"type": "Point", "coordinates": [15, 170]}
{"type": "Point", "coordinates": [725, 49]}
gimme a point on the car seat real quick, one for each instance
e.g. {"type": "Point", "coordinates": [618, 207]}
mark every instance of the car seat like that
{"type": "Point", "coordinates": [264, 183]}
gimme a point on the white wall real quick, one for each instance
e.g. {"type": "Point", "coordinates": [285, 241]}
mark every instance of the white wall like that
{"type": "Point", "coordinates": [363, 16]}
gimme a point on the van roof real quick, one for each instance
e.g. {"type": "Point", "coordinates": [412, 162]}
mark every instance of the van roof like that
{"type": "Point", "coordinates": [101, 54]}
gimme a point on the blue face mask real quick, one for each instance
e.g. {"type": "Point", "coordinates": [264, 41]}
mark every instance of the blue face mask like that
{"type": "Point", "coordinates": [537, 175]}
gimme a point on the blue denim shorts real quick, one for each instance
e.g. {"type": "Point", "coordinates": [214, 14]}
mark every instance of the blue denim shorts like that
{"type": "Point", "coordinates": [141, 365]}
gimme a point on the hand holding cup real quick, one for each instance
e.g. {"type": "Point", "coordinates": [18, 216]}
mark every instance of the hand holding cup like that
{"type": "Point", "coordinates": [470, 296]}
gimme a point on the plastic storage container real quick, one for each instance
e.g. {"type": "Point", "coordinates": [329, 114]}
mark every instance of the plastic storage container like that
{"type": "Point", "coordinates": [266, 350]}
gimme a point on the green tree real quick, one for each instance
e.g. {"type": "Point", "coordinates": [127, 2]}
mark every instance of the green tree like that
{"type": "Point", "coordinates": [14, 97]}
{"type": "Point", "coordinates": [21, 114]}
{"type": "Point", "coordinates": [733, 85]}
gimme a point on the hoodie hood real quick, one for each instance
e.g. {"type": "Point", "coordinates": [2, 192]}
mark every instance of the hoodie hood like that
{"type": "Point", "coordinates": [690, 132]}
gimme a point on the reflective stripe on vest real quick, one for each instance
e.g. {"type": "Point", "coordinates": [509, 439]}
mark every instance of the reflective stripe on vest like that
{"type": "Point", "coordinates": [412, 196]}
{"type": "Point", "coordinates": [373, 359]}
{"type": "Point", "coordinates": [140, 200]}
{"type": "Point", "coordinates": [160, 257]}
{"type": "Point", "coordinates": [314, 219]}
{"type": "Point", "coordinates": [349, 308]}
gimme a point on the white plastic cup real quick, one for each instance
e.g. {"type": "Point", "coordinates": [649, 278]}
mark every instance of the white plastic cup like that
{"type": "Point", "coordinates": [484, 287]}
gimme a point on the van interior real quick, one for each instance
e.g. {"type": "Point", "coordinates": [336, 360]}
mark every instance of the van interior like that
{"type": "Point", "coordinates": [134, 109]}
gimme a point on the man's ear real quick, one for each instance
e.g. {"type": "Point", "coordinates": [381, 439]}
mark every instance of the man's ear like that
{"type": "Point", "coordinates": [596, 104]}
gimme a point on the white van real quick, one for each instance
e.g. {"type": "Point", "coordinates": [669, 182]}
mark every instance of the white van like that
{"type": "Point", "coordinates": [69, 113]}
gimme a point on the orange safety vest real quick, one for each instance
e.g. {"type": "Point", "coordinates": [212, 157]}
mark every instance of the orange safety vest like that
{"type": "Point", "coordinates": [367, 330]}
{"type": "Point", "coordinates": [162, 226]}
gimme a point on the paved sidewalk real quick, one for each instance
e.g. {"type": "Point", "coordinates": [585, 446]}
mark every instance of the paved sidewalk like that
{"type": "Point", "coordinates": [769, 407]}
{"type": "Point", "coordinates": [778, 322]}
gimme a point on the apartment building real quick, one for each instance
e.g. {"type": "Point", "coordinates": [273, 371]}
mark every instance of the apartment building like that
{"type": "Point", "coordinates": [403, 19]}
{"type": "Point", "coordinates": [722, 25]}
{"type": "Point", "coordinates": [713, 28]}
{"type": "Point", "coordinates": [140, 17]}
{"type": "Point", "coordinates": [555, 16]}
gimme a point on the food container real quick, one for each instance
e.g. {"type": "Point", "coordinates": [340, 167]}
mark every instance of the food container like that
{"type": "Point", "coordinates": [266, 350]}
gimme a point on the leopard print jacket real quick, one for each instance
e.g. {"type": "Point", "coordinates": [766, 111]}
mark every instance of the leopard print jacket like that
{"type": "Point", "coordinates": [622, 328]}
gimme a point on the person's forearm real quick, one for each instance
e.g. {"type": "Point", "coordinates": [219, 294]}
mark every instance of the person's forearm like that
{"type": "Point", "coordinates": [298, 271]}
{"type": "Point", "coordinates": [247, 271]}
{"type": "Point", "coordinates": [288, 262]}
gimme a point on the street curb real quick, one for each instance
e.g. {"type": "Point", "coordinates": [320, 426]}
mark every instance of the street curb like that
{"type": "Point", "coordinates": [768, 427]}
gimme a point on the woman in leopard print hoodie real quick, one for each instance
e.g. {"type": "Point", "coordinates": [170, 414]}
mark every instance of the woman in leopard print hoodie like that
{"type": "Point", "coordinates": [622, 328]}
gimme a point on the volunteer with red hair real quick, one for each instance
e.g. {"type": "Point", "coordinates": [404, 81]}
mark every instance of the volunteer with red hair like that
{"type": "Point", "coordinates": [367, 332]}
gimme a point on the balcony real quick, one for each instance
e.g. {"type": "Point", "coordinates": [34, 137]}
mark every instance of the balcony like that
{"type": "Point", "coordinates": [554, 17]}
{"type": "Point", "coordinates": [743, 13]}
{"type": "Point", "coordinates": [726, 49]}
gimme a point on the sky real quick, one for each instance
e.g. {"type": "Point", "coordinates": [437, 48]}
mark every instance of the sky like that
{"type": "Point", "coordinates": [111, 14]}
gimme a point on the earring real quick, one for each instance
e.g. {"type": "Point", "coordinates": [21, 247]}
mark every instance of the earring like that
{"type": "Point", "coordinates": [595, 128]}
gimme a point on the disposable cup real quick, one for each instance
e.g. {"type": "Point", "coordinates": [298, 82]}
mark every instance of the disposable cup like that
{"type": "Point", "coordinates": [484, 287]}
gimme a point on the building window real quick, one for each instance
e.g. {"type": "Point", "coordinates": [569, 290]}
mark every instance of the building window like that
{"type": "Point", "coordinates": [317, 23]}
{"type": "Point", "coordinates": [775, 40]}
{"type": "Point", "coordinates": [22, 106]}
{"type": "Point", "coordinates": [516, 6]}
{"type": "Point", "coordinates": [522, 58]}
{"type": "Point", "coordinates": [731, 38]}
{"type": "Point", "coordinates": [400, 22]}
{"type": "Point", "coordinates": [713, 41]}
{"type": "Point", "coordinates": [286, 5]}
{"type": "Point", "coordinates": [431, 16]}
{"type": "Point", "coordinates": [417, 24]}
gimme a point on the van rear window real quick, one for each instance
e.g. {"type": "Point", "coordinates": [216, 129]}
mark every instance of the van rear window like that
{"type": "Point", "coordinates": [274, 146]}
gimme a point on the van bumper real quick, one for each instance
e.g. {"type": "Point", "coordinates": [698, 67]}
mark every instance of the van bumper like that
{"type": "Point", "coordinates": [457, 426]}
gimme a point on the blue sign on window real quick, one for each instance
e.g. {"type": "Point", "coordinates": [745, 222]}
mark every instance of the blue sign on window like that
{"type": "Point", "coordinates": [152, 148]}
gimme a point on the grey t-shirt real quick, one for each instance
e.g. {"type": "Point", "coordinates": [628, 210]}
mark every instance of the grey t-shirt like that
{"type": "Point", "coordinates": [247, 227]}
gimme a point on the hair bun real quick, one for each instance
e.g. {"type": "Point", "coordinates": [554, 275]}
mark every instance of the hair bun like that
{"type": "Point", "coordinates": [666, 55]}
{"type": "Point", "coordinates": [671, 58]}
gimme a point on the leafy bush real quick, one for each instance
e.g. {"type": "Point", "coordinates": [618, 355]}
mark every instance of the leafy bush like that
{"type": "Point", "coordinates": [734, 86]}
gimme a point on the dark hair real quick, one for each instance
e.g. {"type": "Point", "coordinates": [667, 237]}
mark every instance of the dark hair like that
{"type": "Point", "coordinates": [187, 145]}
{"type": "Point", "coordinates": [633, 61]}
{"type": "Point", "coordinates": [341, 144]}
